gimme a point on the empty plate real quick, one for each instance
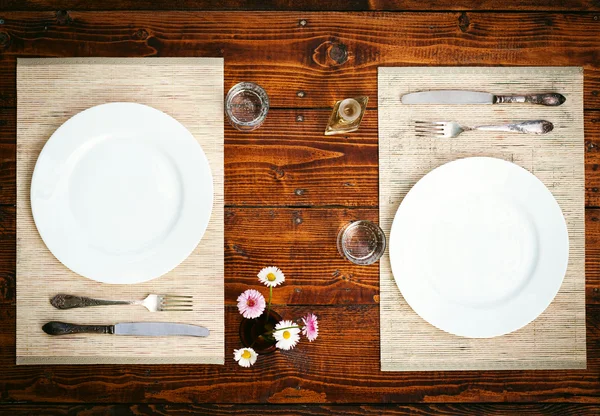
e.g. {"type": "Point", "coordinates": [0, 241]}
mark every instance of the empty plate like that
{"type": "Point", "coordinates": [121, 193]}
{"type": "Point", "coordinates": [479, 247]}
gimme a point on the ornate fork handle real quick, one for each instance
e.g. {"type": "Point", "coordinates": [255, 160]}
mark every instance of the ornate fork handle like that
{"type": "Point", "coordinates": [530, 127]}
{"type": "Point", "coordinates": [63, 328]}
{"type": "Point", "coordinates": [550, 99]}
{"type": "Point", "coordinates": [68, 302]}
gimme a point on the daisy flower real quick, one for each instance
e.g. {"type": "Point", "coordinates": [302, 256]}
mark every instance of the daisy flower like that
{"type": "Point", "coordinates": [251, 304]}
{"type": "Point", "coordinates": [311, 327]}
{"type": "Point", "coordinates": [271, 276]}
{"type": "Point", "coordinates": [287, 335]}
{"type": "Point", "coordinates": [245, 356]}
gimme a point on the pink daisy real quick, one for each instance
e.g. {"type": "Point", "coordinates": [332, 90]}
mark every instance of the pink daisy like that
{"type": "Point", "coordinates": [251, 304]}
{"type": "Point", "coordinates": [311, 327]}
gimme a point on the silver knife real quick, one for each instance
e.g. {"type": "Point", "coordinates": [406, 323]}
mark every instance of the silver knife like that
{"type": "Point", "coordinates": [151, 329]}
{"type": "Point", "coordinates": [474, 97]}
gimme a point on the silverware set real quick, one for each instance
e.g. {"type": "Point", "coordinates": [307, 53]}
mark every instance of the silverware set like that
{"type": "Point", "coordinates": [451, 129]}
{"type": "Point", "coordinates": [153, 302]}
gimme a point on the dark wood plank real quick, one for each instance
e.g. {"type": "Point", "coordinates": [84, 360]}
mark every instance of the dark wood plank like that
{"type": "Point", "coordinates": [293, 166]}
{"type": "Point", "coordinates": [287, 162]}
{"type": "Point", "coordinates": [8, 123]}
{"type": "Point", "coordinates": [312, 59]}
{"type": "Point", "coordinates": [290, 162]}
{"type": "Point", "coordinates": [592, 256]}
{"type": "Point", "coordinates": [8, 174]}
{"type": "Point", "coordinates": [302, 243]}
{"type": "Point", "coordinates": [592, 158]}
{"type": "Point", "coordinates": [8, 152]}
{"type": "Point", "coordinates": [8, 85]}
{"type": "Point", "coordinates": [454, 409]}
{"type": "Point", "coordinates": [341, 366]}
{"type": "Point", "coordinates": [308, 5]}
{"type": "Point", "coordinates": [8, 267]}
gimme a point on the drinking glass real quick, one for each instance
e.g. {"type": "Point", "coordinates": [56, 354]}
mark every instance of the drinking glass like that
{"type": "Point", "coordinates": [246, 106]}
{"type": "Point", "coordinates": [361, 242]}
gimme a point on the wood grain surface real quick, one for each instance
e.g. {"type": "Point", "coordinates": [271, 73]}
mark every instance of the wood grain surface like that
{"type": "Point", "coordinates": [306, 233]}
{"type": "Point", "coordinates": [455, 409]}
{"type": "Point", "coordinates": [299, 166]}
{"type": "Point", "coordinates": [288, 188]}
{"type": "Point", "coordinates": [343, 367]}
{"type": "Point", "coordinates": [311, 59]}
{"type": "Point", "coordinates": [337, 368]}
{"type": "Point", "coordinates": [308, 5]}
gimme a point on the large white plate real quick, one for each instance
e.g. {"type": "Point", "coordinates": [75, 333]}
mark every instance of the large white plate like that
{"type": "Point", "coordinates": [479, 247]}
{"type": "Point", "coordinates": [121, 193]}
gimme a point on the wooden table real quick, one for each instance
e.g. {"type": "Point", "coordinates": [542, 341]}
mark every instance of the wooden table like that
{"type": "Point", "coordinates": [289, 188]}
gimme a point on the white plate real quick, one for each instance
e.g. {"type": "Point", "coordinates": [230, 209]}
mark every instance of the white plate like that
{"type": "Point", "coordinates": [121, 193]}
{"type": "Point", "coordinates": [479, 247]}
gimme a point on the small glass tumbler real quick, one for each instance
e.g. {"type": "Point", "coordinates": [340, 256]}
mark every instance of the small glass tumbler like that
{"type": "Point", "coordinates": [362, 242]}
{"type": "Point", "coordinates": [246, 106]}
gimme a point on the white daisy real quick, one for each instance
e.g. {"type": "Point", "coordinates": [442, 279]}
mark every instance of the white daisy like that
{"type": "Point", "coordinates": [271, 276]}
{"type": "Point", "coordinates": [287, 335]}
{"type": "Point", "coordinates": [245, 356]}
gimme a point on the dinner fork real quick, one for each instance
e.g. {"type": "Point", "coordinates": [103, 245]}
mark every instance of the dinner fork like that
{"type": "Point", "coordinates": [154, 303]}
{"type": "Point", "coordinates": [450, 129]}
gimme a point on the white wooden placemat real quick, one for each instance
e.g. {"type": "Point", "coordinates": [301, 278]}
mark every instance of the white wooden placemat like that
{"type": "Point", "coordinates": [49, 92]}
{"type": "Point", "coordinates": [556, 339]}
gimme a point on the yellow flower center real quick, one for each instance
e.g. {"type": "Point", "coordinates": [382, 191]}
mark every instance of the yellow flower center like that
{"type": "Point", "coordinates": [246, 354]}
{"type": "Point", "coordinates": [271, 277]}
{"type": "Point", "coordinates": [286, 334]}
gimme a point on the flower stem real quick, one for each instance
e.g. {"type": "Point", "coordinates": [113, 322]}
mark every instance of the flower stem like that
{"type": "Point", "coordinates": [269, 304]}
{"type": "Point", "coordinates": [287, 327]}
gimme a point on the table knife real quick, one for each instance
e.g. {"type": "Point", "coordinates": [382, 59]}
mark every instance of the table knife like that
{"type": "Point", "coordinates": [152, 329]}
{"type": "Point", "coordinates": [474, 97]}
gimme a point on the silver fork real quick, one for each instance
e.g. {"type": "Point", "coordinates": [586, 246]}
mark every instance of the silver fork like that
{"type": "Point", "coordinates": [154, 303]}
{"type": "Point", "coordinates": [450, 129]}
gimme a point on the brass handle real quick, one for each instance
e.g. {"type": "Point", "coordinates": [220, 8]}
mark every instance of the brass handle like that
{"type": "Point", "coordinates": [550, 99]}
{"type": "Point", "coordinates": [63, 328]}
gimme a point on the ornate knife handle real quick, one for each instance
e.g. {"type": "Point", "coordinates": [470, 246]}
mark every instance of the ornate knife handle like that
{"type": "Point", "coordinates": [550, 99]}
{"type": "Point", "coordinates": [68, 302]}
{"type": "Point", "coordinates": [62, 328]}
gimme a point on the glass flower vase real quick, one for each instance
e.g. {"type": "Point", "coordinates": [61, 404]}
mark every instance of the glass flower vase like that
{"type": "Point", "coordinates": [254, 332]}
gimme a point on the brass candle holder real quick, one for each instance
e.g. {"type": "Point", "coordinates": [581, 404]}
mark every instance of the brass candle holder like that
{"type": "Point", "coordinates": [346, 116]}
